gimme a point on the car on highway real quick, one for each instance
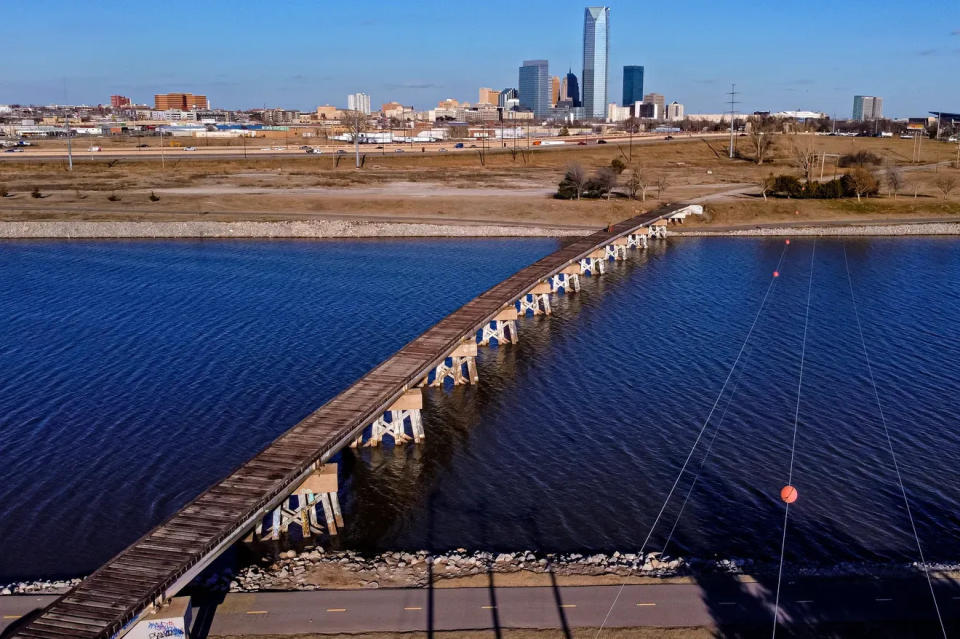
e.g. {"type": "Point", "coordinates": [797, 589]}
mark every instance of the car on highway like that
{"type": "Point", "coordinates": [278, 148]}
{"type": "Point", "coordinates": [379, 146]}
{"type": "Point", "coordinates": [189, 148]}
{"type": "Point", "coordinates": [582, 143]}
{"type": "Point", "coordinates": [669, 137]}
{"type": "Point", "coordinates": [13, 150]}
{"type": "Point", "coordinates": [443, 150]}
{"type": "Point", "coordinates": [458, 145]}
{"type": "Point", "coordinates": [142, 146]}
{"type": "Point", "coordinates": [906, 137]}
{"type": "Point", "coordinates": [604, 141]}
{"type": "Point", "coordinates": [399, 151]}
{"type": "Point", "coordinates": [340, 152]}
{"type": "Point", "coordinates": [304, 147]}
{"type": "Point", "coordinates": [94, 149]}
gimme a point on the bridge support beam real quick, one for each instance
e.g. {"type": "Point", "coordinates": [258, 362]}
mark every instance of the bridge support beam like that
{"type": "Point", "coordinates": [638, 239]}
{"type": "Point", "coordinates": [503, 328]}
{"type": "Point", "coordinates": [568, 280]}
{"type": "Point", "coordinates": [536, 300]}
{"type": "Point", "coordinates": [659, 229]}
{"type": "Point", "coordinates": [402, 422]}
{"type": "Point", "coordinates": [300, 508]}
{"type": "Point", "coordinates": [617, 250]}
{"type": "Point", "coordinates": [594, 264]}
{"type": "Point", "coordinates": [460, 367]}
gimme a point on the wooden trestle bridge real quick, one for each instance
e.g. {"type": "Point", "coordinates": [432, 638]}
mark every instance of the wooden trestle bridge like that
{"type": "Point", "coordinates": [158, 565]}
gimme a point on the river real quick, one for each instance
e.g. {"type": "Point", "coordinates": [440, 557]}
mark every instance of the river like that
{"type": "Point", "coordinates": [135, 374]}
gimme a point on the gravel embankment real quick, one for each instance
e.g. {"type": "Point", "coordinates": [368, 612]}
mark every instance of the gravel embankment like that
{"type": "Point", "coordinates": [291, 229]}
{"type": "Point", "coordinates": [934, 228]}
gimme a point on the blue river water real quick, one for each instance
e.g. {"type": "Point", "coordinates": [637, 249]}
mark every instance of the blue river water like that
{"type": "Point", "coordinates": [135, 374]}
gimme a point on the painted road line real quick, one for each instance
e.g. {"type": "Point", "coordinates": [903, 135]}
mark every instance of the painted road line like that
{"type": "Point", "coordinates": [646, 604]}
{"type": "Point", "coordinates": [568, 605]}
{"type": "Point", "coordinates": [256, 612]}
{"type": "Point", "coordinates": [413, 608]}
{"type": "Point", "coordinates": [336, 609]}
{"type": "Point", "coordinates": [487, 607]}
{"type": "Point", "coordinates": [12, 616]}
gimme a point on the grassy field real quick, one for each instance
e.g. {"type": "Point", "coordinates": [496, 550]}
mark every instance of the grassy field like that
{"type": "Point", "coordinates": [503, 186]}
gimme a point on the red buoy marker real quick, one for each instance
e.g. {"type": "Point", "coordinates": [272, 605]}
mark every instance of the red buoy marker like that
{"type": "Point", "coordinates": [788, 494]}
{"type": "Point", "coordinates": [788, 241]}
{"type": "Point", "coordinates": [776, 273]}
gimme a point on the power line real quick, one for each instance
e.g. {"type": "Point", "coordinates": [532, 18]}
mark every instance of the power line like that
{"type": "Point", "coordinates": [893, 455]}
{"type": "Point", "coordinates": [713, 408]}
{"type": "Point", "coordinates": [733, 102]}
{"type": "Point", "coordinates": [793, 446]}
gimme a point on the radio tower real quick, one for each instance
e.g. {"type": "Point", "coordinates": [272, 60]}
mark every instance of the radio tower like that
{"type": "Point", "coordinates": [733, 104]}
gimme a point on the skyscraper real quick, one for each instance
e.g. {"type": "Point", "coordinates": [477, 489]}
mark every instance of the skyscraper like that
{"type": "Point", "coordinates": [632, 85]}
{"type": "Point", "coordinates": [554, 90]}
{"type": "Point", "coordinates": [596, 49]}
{"type": "Point", "coordinates": [867, 107]}
{"type": "Point", "coordinates": [656, 98]}
{"type": "Point", "coordinates": [506, 96]}
{"type": "Point", "coordinates": [572, 92]}
{"type": "Point", "coordinates": [534, 86]}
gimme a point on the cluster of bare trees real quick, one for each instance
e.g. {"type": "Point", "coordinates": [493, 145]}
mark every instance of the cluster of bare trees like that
{"type": "Point", "coordinates": [637, 181]}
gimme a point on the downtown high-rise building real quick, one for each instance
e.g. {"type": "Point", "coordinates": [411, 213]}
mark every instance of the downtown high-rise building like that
{"type": "Point", "coordinates": [359, 102]}
{"type": "Point", "coordinates": [632, 85]}
{"type": "Point", "coordinates": [596, 50]}
{"type": "Point", "coordinates": [534, 87]}
{"type": "Point", "coordinates": [867, 107]}
{"type": "Point", "coordinates": [570, 90]}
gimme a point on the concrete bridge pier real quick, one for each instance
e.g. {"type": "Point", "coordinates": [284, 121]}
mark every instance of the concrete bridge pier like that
{"type": "Point", "coordinates": [659, 229]}
{"type": "Point", "coordinates": [460, 367]}
{"type": "Point", "coordinates": [567, 280]}
{"type": "Point", "coordinates": [616, 250]}
{"type": "Point", "coordinates": [300, 508]}
{"type": "Point", "coordinates": [502, 328]}
{"type": "Point", "coordinates": [394, 422]}
{"type": "Point", "coordinates": [536, 300]}
{"type": "Point", "coordinates": [638, 239]}
{"type": "Point", "coordinates": [594, 264]}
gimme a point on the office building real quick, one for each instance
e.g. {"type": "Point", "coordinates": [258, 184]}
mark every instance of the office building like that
{"type": "Point", "coordinates": [507, 95]}
{"type": "Point", "coordinates": [632, 85]}
{"type": "Point", "coordinates": [867, 107]}
{"type": "Point", "coordinates": [646, 110]}
{"type": "Point", "coordinates": [181, 101]}
{"type": "Point", "coordinates": [618, 113]}
{"type": "Point", "coordinates": [488, 96]}
{"type": "Point", "coordinates": [359, 102]}
{"type": "Point", "coordinates": [596, 49]}
{"type": "Point", "coordinates": [554, 90]}
{"type": "Point", "coordinates": [570, 90]}
{"type": "Point", "coordinates": [117, 101]}
{"type": "Point", "coordinates": [534, 86]}
{"type": "Point", "coordinates": [674, 111]}
{"type": "Point", "coordinates": [656, 98]}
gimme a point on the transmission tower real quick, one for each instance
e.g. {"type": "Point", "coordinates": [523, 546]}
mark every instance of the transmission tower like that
{"type": "Point", "coordinates": [733, 105]}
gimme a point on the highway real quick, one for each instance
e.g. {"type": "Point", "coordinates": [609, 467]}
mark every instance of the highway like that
{"type": "Point", "coordinates": [723, 602]}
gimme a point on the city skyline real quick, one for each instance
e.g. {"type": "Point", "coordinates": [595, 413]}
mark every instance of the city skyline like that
{"type": "Point", "coordinates": [773, 65]}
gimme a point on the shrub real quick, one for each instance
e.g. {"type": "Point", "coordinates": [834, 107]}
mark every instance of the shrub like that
{"type": "Point", "coordinates": [36, 192]}
{"type": "Point", "coordinates": [618, 165]}
{"type": "Point", "coordinates": [3, 191]}
{"type": "Point", "coordinates": [113, 197]}
{"type": "Point", "coordinates": [154, 197]}
{"type": "Point", "coordinates": [858, 159]}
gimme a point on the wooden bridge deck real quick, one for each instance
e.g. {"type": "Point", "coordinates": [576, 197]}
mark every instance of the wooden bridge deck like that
{"type": "Point", "coordinates": [165, 558]}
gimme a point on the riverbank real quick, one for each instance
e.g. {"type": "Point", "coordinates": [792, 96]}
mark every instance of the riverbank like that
{"type": "Point", "coordinates": [316, 229]}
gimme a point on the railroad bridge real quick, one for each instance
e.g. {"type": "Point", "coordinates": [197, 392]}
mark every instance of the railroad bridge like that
{"type": "Point", "coordinates": [286, 482]}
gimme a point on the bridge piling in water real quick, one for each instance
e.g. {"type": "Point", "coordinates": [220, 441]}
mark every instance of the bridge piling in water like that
{"type": "Point", "coordinates": [394, 420]}
{"type": "Point", "coordinates": [536, 300]}
{"type": "Point", "coordinates": [460, 367]}
{"type": "Point", "coordinates": [568, 279]}
{"type": "Point", "coordinates": [300, 508]}
{"type": "Point", "coordinates": [502, 328]}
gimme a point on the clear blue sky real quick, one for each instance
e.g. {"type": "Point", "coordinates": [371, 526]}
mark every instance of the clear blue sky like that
{"type": "Point", "coordinates": [302, 53]}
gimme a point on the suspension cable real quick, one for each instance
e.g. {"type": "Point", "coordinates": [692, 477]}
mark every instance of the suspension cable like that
{"type": "Point", "coordinates": [713, 408]}
{"type": "Point", "coordinates": [793, 446]}
{"type": "Point", "coordinates": [893, 455]}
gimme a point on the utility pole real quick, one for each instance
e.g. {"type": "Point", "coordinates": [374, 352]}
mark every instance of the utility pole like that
{"type": "Point", "coordinates": [69, 145]}
{"type": "Point", "coordinates": [163, 162]}
{"type": "Point", "coordinates": [733, 102]}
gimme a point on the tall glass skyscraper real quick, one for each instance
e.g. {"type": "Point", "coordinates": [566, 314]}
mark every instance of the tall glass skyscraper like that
{"type": "Point", "coordinates": [632, 85]}
{"type": "Point", "coordinates": [596, 50]}
{"type": "Point", "coordinates": [534, 87]}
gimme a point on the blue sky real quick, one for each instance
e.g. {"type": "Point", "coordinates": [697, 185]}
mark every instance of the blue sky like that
{"type": "Point", "coordinates": [302, 53]}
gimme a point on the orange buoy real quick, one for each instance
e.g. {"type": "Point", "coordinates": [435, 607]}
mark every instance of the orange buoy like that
{"type": "Point", "coordinates": [788, 241]}
{"type": "Point", "coordinates": [776, 273]}
{"type": "Point", "coordinates": [788, 494]}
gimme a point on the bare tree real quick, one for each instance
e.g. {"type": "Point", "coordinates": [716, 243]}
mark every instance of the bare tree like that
{"type": "Point", "coordinates": [945, 183]}
{"type": "Point", "coordinates": [662, 185]}
{"type": "Point", "coordinates": [356, 123]}
{"type": "Point", "coordinates": [761, 140]}
{"type": "Point", "coordinates": [895, 180]}
{"type": "Point", "coordinates": [863, 182]}
{"type": "Point", "coordinates": [577, 176]}
{"type": "Point", "coordinates": [637, 182]}
{"type": "Point", "coordinates": [765, 183]}
{"type": "Point", "coordinates": [804, 156]}
{"type": "Point", "coordinates": [604, 180]}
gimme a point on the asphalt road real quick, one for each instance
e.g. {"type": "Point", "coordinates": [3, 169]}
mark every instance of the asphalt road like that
{"type": "Point", "coordinates": [723, 602]}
